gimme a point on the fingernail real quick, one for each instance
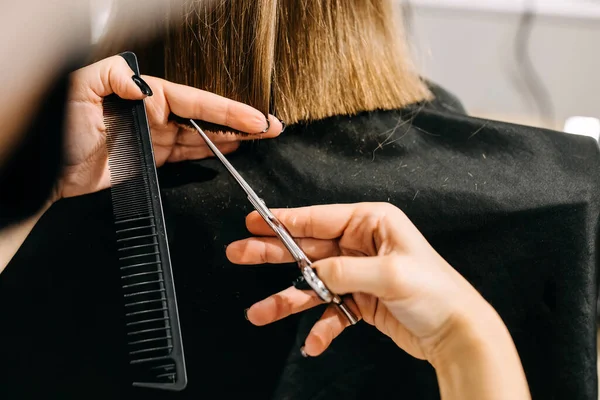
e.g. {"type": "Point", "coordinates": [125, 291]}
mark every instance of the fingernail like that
{"type": "Point", "coordinates": [246, 314]}
{"type": "Point", "coordinates": [303, 352]}
{"type": "Point", "coordinates": [283, 126]}
{"type": "Point", "coordinates": [144, 87]}
{"type": "Point", "coordinates": [268, 126]}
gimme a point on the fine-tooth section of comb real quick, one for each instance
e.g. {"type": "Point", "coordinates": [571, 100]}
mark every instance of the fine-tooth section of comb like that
{"type": "Point", "coordinates": [152, 323]}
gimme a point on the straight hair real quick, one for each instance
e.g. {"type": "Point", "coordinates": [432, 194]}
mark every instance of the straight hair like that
{"type": "Point", "coordinates": [300, 60]}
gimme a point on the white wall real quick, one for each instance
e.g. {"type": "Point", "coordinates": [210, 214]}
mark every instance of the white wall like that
{"type": "Point", "coordinates": [467, 46]}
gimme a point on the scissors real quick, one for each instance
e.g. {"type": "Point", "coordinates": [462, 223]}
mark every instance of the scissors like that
{"type": "Point", "coordinates": [305, 265]}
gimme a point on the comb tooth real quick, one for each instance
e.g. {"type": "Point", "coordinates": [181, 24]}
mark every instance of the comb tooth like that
{"type": "Point", "coordinates": [149, 359]}
{"type": "Point", "coordinates": [164, 372]}
{"type": "Point", "coordinates": [139, 303]}
{"type": "Point", "coordinates": [124, 176]}
{"type": "Point", "coordinates": [170, 375]}
{"type": "Point", "coordinates": [121, 148]}
{"type": "Point", "coordinates": [150, 350]}
{"type": "Point", "coordinates": [123, 144]}
{"type": "Point", "coordinates": [147, 321]}
{"type": "Point", "coordinates": [135, 208]}
{"type": "Point", "coordinates": [126, 179]}
{"type": "Point", "coordinates": [126, 267]}
{"type": "Point", "coordinates": [129, 194]}
{"type": "Point", "coordinates": [125, 221]}
{"type": "Point", "coordinates": [157, 339]}
{"type": "Point", "coordinates": [124, 169]}
{"type": "Point", "coordinates": [140, 274]}
{"type": "Point", "coordinates": [165, 367]}
{"type": "Point", "coordinates": [140, 246]}
{"type": "Point", "coordinates": [132, 194]}
{"type": "Point", "coordinates": [126, 190]}
{"type": "Point", "coordinates": [143, 293]}
{"type": "Point", "coordinates": [138, 256]}
{"type": "Point", "coordinates": [135, 182]}
{"type": "Point", "coordinates": [152, 235]}
{"type": "Point", "coordinates": [148, 331]}
{"type": "Point", "coordinates": [137, 228]}
{"type": "Point", "coordinates": [130, 211]}
{"type": "Point", "coordinates": [132, 314]}
{"type": "Point", "coordinates": [130, 201]}
{"type": "Point", "coordinates": [142, 283]}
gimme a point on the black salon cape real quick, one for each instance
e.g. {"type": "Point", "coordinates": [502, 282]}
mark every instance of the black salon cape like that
{"type": "Point", "coordinates": [513, 209]}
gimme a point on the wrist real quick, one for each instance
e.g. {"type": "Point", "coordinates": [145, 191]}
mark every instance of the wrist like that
{"type": "Point", "coordinates": [478, 359]}
{"type": "Point", "coordinates": [468, 335]}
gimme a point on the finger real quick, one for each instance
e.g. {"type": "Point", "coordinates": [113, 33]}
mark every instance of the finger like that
{"type": "Point", "coordinates": [281, 305]}
{"type": "Point", "coordinates": [254, 251]}
{"type": "Point", "coordinates": [189, 137]}
{"type": "Point", "coordinates": [381, 276]}
{"type": "Point", "coordinates": [188, 102]}
{"type": "Point", "coordinates": [322, 222]}
{"type": "Point", "coordinates": [327, 328]}
{"type": "Point", "coordinates": [108, 76]}
{"type": "Point", "coordinates": [185, 153]}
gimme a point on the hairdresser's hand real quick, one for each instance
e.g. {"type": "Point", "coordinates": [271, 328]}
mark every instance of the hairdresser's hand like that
{"type": "Point", "coordinates": [86, 164]}
{"type": "Point", "coordinates": [398, 283]}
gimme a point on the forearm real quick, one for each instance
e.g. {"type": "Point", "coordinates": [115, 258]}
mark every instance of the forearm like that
{"type": "Point", "coordinates": [12, 238]}
{"type": "Point", "coordinates": [486, 366]}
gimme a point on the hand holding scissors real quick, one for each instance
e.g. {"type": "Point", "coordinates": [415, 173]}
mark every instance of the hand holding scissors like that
{"type": "Point", "coordinates": [400, 285]}
{"type": "Point", "coordinates": [283, 234]}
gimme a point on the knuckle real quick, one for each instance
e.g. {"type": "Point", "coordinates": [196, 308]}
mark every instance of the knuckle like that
{"type": "Point", "coordinates": [198, 110]}
{"type": "Point", "coordinates": [332, 330]}
{"type": "Point", "coordinates": [263, 253]}
{"type": "Point", "coordinates": [308, 228]}
{"type": "Point", "coordinates": [251, 219]}
{"type": "Point", "coordinates": [227, 118]}
{"type": "Point", "coordinates": [325, 331]}
{"type": "Point", "coordinates": [391, 272]}
{"type": "Point", "coordinates": [281, 307]}
{"type": "Point", "coordinates": [335, 272]}
{"type": "Point", "coordinates": [381, 210]}
{"type": "Point", "coordinates": [389, 268]}
{"type": "Point", "coordinates": [389, 210]}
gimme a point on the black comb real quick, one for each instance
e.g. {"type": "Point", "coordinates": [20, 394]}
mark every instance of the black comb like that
{"type": "Point", "coordinates": [152, 322]}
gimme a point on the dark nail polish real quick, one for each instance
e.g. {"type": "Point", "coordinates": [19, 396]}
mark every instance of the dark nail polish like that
{"type": "Point", "coordinates": [144, 87]}
{"type": "Point", "coordinates": [283, 126]}
{"type": "Point", "coordinates": [246, 314]}
{"type": "Point", "coordinates": [303, 352]}
{"type": "Point", "coordinates": [268, 126]}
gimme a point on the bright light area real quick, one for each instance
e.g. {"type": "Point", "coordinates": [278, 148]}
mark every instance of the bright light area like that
{"type": "Point", "coordinates": [585, 126]}
{"type": "Point", "coordinates": [100, 12]}
{"type": "Point", "coordinates": [566, 8]}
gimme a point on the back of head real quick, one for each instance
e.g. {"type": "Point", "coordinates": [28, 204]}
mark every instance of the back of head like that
{"type": "Point", "coordinates": [301, 60]}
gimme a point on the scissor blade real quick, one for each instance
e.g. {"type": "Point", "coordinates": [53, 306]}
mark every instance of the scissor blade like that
{"type": "Point", "coordinates": [226, 163]}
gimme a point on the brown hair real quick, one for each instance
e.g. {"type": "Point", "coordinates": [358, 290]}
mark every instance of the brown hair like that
{"type": "Point", "coordinates": [298, 59]}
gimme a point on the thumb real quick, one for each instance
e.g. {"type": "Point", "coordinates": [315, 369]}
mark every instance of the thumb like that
{"type": "Point", "coordinates": [378, 276]}
{"type": "Point", "coordinates": [113, 75]}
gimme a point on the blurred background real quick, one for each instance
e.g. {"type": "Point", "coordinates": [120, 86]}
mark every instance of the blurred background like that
{"type": "Point", "coordinates": [533, 62]}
